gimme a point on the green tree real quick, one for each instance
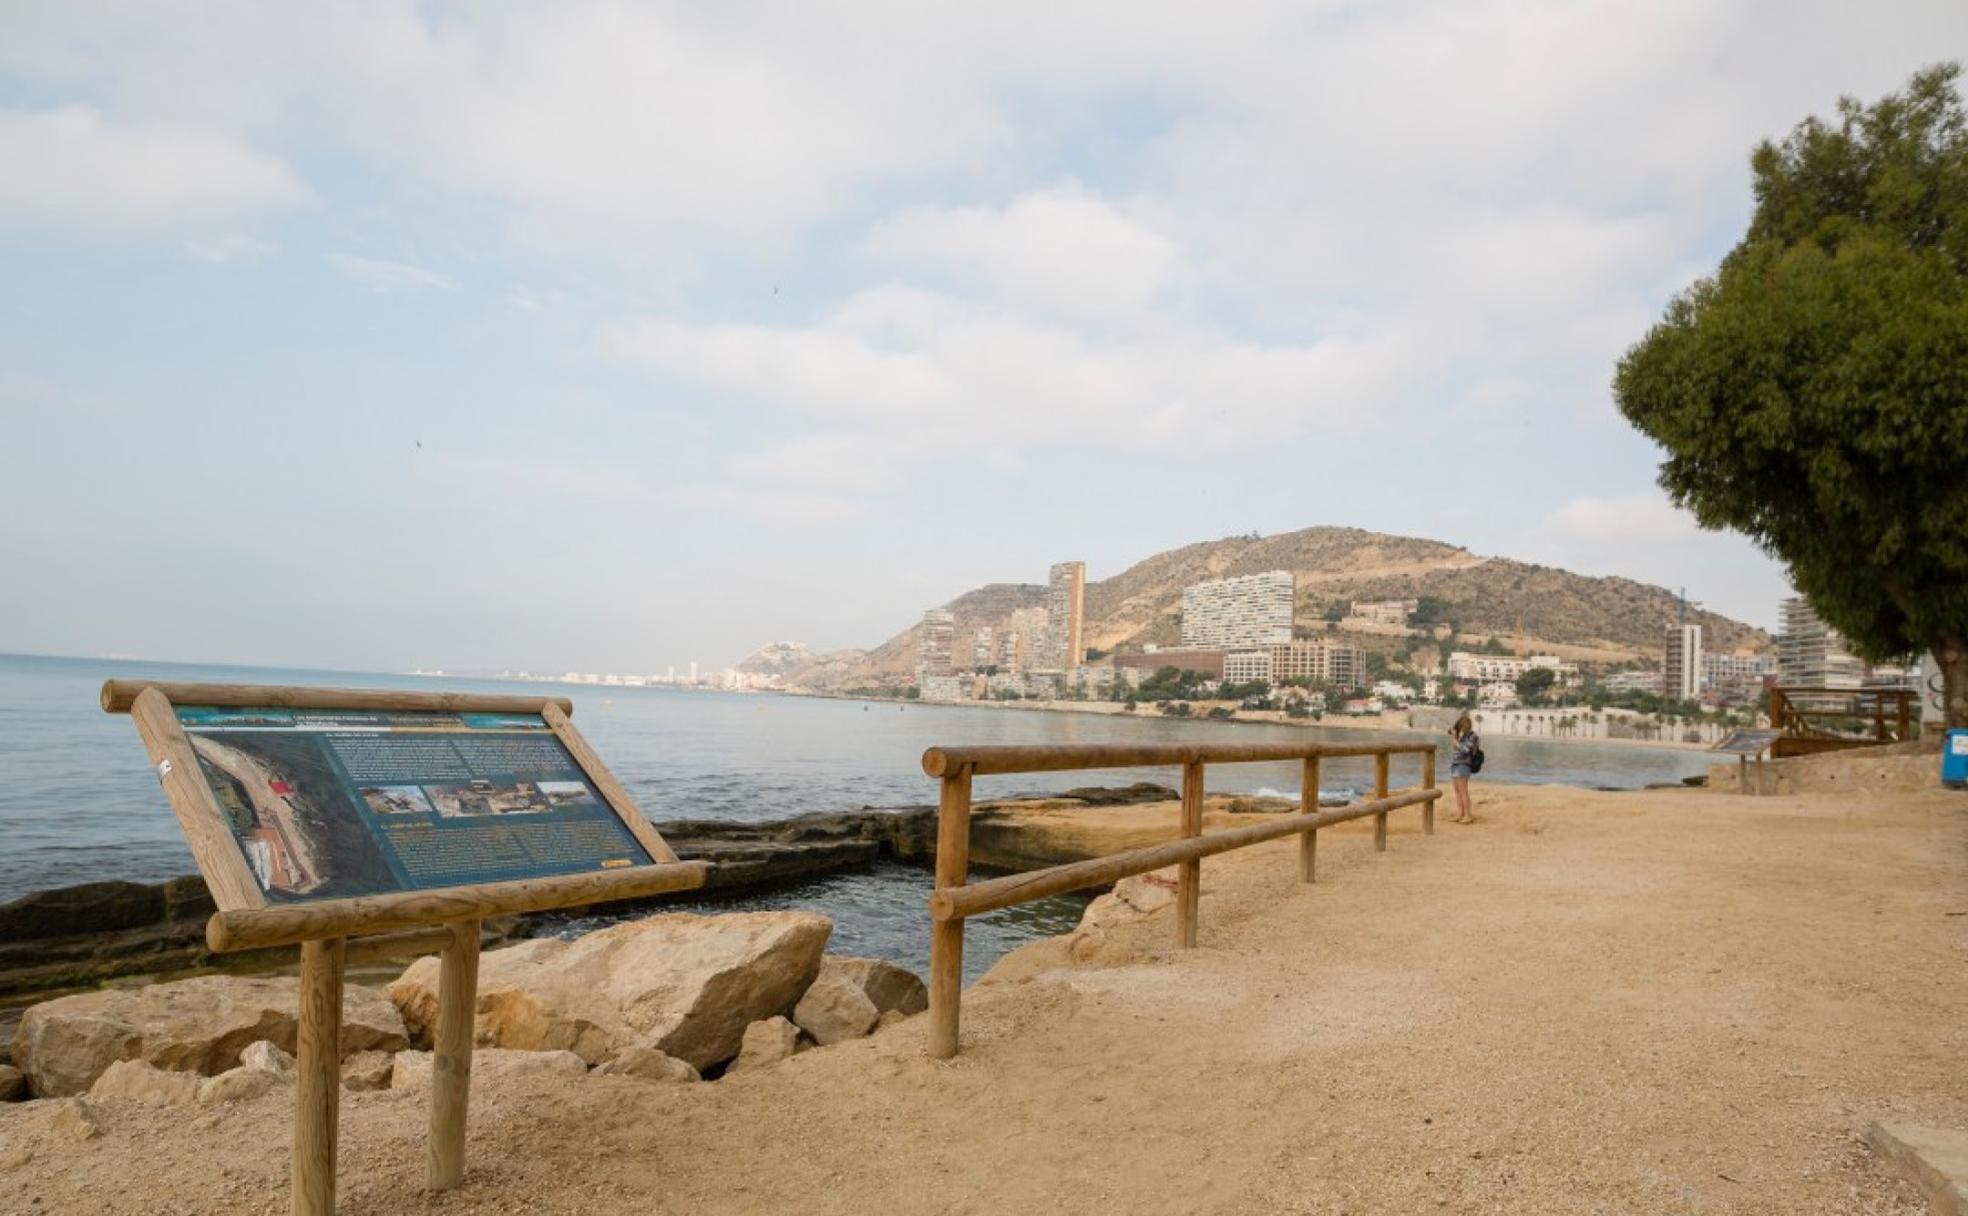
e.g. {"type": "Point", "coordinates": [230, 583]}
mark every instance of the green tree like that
{"type": "Point", "coordinates": [1813, 393]}
{"type": "Point", "coordinates": [1535, 683]}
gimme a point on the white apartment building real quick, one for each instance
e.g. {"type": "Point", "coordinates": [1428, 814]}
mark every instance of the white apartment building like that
{"type": "Point", "coordinates": [1681, 663]}
{"type": "Point", "coordinates": [1634, 681]}
{"type": "Point", "coordinates": [1239, 613]}
{"type": "Point", "coordinates": [1736, 676]}
{"type": "Point", "coordinates": [1495, 668]}
{"type": "Point", "coordinates": [1811, 654]}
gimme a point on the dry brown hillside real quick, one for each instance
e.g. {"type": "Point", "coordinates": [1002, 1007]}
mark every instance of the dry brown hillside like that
{"type": "Point", "coordinates": [1483, 596]}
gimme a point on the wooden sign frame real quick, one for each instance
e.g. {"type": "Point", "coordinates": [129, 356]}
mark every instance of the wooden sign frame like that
{"type": "Point", "coordinates": [448, 917]}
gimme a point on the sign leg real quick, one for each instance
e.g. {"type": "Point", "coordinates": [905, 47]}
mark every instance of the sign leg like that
{"type": "Point", "coordinates": [457, 1009]}
{"type": "Point", "coordinates": [318, 1089]}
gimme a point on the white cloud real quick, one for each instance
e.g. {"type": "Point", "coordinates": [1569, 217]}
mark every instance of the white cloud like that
{"type": "Point", "coordinates": [70, 168]}
{"type": "Point", "coordinates": [1618, 519]}
{"type": "Point", "coordinates": [1066, 252]}
{"type": "Point", "coordinates": [380, 274]}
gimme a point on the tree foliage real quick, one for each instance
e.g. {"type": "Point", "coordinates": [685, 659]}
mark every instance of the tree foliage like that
{"type": "Point", "coordinates": [1813, 392]}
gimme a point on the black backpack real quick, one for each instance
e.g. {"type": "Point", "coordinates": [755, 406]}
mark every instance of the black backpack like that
{"type": "Point", "coordinates": [1475, 760]}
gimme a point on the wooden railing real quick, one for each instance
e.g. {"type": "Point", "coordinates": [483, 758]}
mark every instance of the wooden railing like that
{"type": "Point", "coordinates": [956, 898]}
{"type": "Point", "coordinates": [1829, 719]}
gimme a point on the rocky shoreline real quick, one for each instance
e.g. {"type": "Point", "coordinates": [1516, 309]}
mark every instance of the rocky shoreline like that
{"type": "Point", "coordinates": [82, 937]}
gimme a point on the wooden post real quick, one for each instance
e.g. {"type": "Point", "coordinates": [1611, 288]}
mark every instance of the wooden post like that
{"type": "Point", "coordinates": [451, 1058]}
{"type": "Point", "coordinates": [1428, 783]}
{"type": "Point", "coordinates": [318, 1088]}
{"type": "Point", "coordinates": [1189, 876]}
{"type": "Point", "coordinates": [1380, 791]}
{"type": "Point", "coordinates": [1308, 804]}
{"type": "Point", "coordinates": [946, 936]}
{"type": "Point", "coordinates": [1742, 775]}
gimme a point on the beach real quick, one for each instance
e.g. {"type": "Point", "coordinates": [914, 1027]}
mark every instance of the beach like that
{"type": "Point", "coordinates": [1587, 1002]}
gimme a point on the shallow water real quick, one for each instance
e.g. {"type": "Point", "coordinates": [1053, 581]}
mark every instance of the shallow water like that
{"type": "Point", "coordinates": [78, 801]}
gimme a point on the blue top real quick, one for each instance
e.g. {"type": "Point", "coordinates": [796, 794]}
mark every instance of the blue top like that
{"type": "Point", "coordinates": [1464, 746]}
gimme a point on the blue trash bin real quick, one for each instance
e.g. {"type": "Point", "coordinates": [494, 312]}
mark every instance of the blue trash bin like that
{"type": "Point", "coordinates": [1954, 760]}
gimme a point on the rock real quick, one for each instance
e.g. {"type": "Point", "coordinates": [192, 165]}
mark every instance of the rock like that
{"type": "Point", "coordinates": [198, 1025]}
{"type": "Point", "coordinates": [13, 1084]}
{"type": "Point", "coordinates": [893, 1017]}
{"type": "Point", "coordinates": [136, 1081]}
{"type": "Point", "coordinates": [686, 985]}
{"type": "Point", "coordinates": [891, 988]}
{"type": "Point", "coordinates": [15, 1157]}
{"type": "Point", "coordinates": [490, 1064]}
{"type": "Point", "coordinates": [73, 1119]}
{"type": "Point", "coordinates": [766, 1042]}
{"type": "Point", "coordinates": [649, 1064]}
{"type": "Point", "coordinates": [368, 1070]}
{"type": "Point", "coordinates": [241, 1084]}
{"type": "Point", "coordinates": [835, 1009]}
{"type": "Point", "coordinates": [265, 1057]}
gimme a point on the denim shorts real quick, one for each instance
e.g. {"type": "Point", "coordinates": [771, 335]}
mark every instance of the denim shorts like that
{"type": "Point", "coordinates": [1459, 770]}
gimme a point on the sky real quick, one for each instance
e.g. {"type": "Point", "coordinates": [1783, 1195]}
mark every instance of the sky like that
{"type": "Point", "coordinates": [595, 336]}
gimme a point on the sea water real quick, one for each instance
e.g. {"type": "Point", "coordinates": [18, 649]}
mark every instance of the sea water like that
{"type": "Point", "coordinates": [78, 801]}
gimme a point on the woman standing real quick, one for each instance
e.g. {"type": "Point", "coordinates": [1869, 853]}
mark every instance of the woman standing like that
{"type": "Point", "coordinates": [1462, 765]}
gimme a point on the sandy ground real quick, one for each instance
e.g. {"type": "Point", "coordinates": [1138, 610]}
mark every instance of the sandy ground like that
{"type": "Point", "coordinates": [1642, 1002]}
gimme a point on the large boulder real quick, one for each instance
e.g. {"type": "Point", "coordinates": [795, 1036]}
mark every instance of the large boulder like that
{"type": "Point", "coordinates": [686, 985]}
{"type": "Point", "coordinates": [891, 988]}
{"type": "Point", "coordinates": [197, 1025]}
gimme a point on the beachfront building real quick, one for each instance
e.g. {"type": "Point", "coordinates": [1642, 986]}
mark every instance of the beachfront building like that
{"type": "Point", "coordinates": [1393, 692]}
{"type": "Point", "coordinates": [933, 643]}
{"type": "Point", "coordinates": [1504, 668]}
{"type": "Point", "coordinates": [1681, 663]}
{"type": "Point", "coordinates": [1239, 613]}
{"type": "Point", "coordinates": [1497, 695]}
{"type": "Point", "coordinates": [1811, 654]}
{"type": "Point", "coordinates": [1384, 612]}
{"type": "Point", "coordinates": [1247, 666]}
{"type": "Point", "coordinates": [1027, 638]}
{"type": "Point", "coordinates": [1637, 680]}
{"type": "Point", "coordinates": [945, 688]}
{"type": "Point", "coordinates": [1736, 677]}
{"type": "Point", "coordinates": [1337, 663]}
{"type": "Point", "coordinates": [1065, 647]}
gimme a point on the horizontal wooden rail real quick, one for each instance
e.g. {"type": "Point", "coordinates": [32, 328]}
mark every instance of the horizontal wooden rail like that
{"type": "Point", "coordinates": [119, 695]}
{"type": "Point", "coordinates": [287, 924]}
{"type": "Point", "coordinates": [976, 898]}
{"type": "Point", "coordinates": [986, 761]}
{"type": "Point", "coordinates": [956, 899]}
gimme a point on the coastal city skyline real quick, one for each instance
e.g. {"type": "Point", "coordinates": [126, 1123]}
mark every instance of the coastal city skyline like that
{"type": "Point", "coordinates": [705, 362]}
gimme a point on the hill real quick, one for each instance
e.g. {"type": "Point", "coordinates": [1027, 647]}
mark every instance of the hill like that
{"type": "Point", "coordinates": [1595, 618]}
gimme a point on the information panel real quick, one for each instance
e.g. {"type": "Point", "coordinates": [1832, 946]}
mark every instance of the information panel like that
{"type": "Point", "coordinates": [330, 804]}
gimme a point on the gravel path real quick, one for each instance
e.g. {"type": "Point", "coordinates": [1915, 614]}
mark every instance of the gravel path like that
{"type": "Point", "coordinates": [1639, 1002]}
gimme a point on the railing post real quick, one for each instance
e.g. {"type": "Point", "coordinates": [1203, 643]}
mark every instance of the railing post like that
{"type": "Point", "coordinates": [1189, 877]}
{"type": "Point", "coordinates": [946, 936]}
{"type": "Point", "coordinates": [318, 1097]}
{"type": "Point", "coordinates": [1308, 804]}
{"type": "Point", "coordinates": [451, 1057]}
{"type": "Point", "coordinates": [1428, 783]}
{"type": "Point", "coordinates": [1380, 791]}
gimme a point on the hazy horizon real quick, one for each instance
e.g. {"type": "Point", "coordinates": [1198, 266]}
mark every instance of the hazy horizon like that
{"type": "Point", "coordinates": [605, 338]}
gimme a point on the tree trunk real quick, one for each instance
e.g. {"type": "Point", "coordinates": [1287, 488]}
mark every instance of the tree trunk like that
{"type": "Point", "coordinates": [1952, 655]}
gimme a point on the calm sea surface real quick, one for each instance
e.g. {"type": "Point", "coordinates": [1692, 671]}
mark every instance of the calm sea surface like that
{"type": "Point", "coordinates": [78, 801]}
